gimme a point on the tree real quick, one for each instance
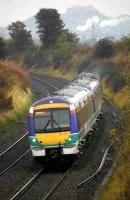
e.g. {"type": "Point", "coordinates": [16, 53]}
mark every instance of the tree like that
{"type": "Point", "coordinates": [21, 37]}
{"type": "Point", "coordinates": [2, 48]}
{"type": "Point", "coordinates": [50, 26]}
{"type": "Point", "coordinates": [104, 48]}
{"type": "Point", "coordinates": [123, 44]}
{"type": "Point", "coordinates": [67, 36]}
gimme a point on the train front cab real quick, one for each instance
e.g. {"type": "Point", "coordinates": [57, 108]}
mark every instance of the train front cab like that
{"type": "Point", "coordinates": [53, 127]}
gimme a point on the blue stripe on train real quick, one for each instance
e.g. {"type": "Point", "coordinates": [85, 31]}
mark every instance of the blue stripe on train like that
{"type": "Point", "coordinates": [31, 125]}
{"type": "Point", "coordinates": [74, 123]}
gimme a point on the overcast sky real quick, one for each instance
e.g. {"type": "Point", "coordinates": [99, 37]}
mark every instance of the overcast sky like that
{"type": "Point", "coordinates": [13, 10]}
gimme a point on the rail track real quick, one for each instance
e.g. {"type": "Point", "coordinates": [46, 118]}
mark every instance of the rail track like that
{"type": "Point", "coordinates": [33, 180]}
{"type": "Point", "coordinates": [59, 180]}
{"type": "Point", "coordinates": [9, 148]}
{"type": "Point", "coordinates": [51, 79]}
{"type": "Point", "coordinates": [14, 163]}
{"type": "Point", "coordinates": [13, 154]}
{"type": "Point", "coordinates": [27, 185]}
{"type": "Point", "coordinates": [43, 92]}
{"type": "Point", "coordinates": [90, 178]}
{"type": "Point", "coordinates": [46, 84]}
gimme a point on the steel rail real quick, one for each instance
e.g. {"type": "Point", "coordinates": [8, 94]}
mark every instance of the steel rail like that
{"type": "Point", "coordinates": [45, 90]}
{"type": "Point", "coordinates": [27, 185]}
{"type": "Point", "coordinates": [90, 178]}
{"type": "Point", "coordinates": [45, 82]}
{"type": "Point", "coordinates": [14, 163]}
{"type": "Point", "coordinates": [14, 144]}
{"type": "Point", "coordinates": [54, 188]}
{"type": "Point", "coordinates": [51, 77]}
{"type": "Point", "coordinates": [60, 180]}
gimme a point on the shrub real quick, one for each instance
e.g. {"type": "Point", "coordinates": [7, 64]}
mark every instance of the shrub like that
{"type": "Point", "coordinates": [15, 96]}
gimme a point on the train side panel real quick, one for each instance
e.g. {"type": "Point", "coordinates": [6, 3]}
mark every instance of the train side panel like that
{"type": "Point", "coordinates": [88, 114]}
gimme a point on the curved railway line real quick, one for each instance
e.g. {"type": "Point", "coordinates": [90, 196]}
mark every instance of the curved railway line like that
{"type": "Point", "coordinates": [86, 181]}
{"type": "Point", "coordinates": [4, 152]}
{"type": "Point", "coordinates": [44, 91]}
{"type": "Point", "coordinates": [90, 178]}
{"type": "Point", "coordinates": [33, 180]}
{"type": "Point", "coordinates": [50, 179]}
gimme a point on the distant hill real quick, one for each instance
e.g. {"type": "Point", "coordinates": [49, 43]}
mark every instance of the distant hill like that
{"type": "Point", "coordinates": [80, 16]}
{"type": "Point", "coordinates": [87, 23]}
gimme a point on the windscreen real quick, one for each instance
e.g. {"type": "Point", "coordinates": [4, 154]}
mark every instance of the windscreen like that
{"type": "Point", "coordinates": [52, 120]}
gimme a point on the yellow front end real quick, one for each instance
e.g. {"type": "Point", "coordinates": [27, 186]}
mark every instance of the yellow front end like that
{"type": "Point", "coordinates": [49, 139]}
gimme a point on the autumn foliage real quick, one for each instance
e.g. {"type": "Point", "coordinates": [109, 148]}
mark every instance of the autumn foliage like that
{"type": "Point", "coordinates": [15, 97]}
{"type": "Point", "coordinates": [10, 75]}
{"type": "Point", "coordinates": [118, 186]}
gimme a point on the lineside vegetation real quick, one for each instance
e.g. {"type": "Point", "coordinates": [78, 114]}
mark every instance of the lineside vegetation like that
{"type": "Point", "coordinates": [15, 98]}
{"type": "Point", "coordinates": [116, 84]}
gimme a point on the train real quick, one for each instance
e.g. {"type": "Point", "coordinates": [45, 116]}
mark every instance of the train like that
{"type": "Point", "coordinates": [59, 123]}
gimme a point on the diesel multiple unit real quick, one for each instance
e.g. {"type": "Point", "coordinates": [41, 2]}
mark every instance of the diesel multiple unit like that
{"type": "Point", "coordinates": [59, 123]}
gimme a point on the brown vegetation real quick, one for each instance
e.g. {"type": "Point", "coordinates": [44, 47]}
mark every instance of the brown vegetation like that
{"type": "Point", "coordinates": [10, 75]}
{"type": "Point", "coordinates": [118, 186]}
{"type": "Point", "coordinates": [15, 96]}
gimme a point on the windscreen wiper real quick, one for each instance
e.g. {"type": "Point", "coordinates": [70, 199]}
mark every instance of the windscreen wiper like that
{"type": "Point", "coordinates": [46, 125]}
{"type": "Point", "coordinates": [57, 124]}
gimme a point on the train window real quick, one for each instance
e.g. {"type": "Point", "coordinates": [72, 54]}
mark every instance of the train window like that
{"type": "Point", "coordinates": [42, 120]}
{"type": "Point", "coordinates": [61, 119]}
{"type": "Point", "coordinates": [52, 120]}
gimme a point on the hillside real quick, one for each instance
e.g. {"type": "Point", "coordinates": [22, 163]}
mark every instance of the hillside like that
{"type": "Point", "coordinates": [15, 97]}
{"type": "Point", "coordinates": [116, 86]}
{"type": "Point", "coordinates": [81, 19]}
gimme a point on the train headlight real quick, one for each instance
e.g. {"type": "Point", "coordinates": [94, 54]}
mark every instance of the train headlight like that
{"type": "Point", "coordinates": [31, 111]}
{"type": "Point", "coordinates": [69, 139]}
{"type": "Point", "coordinates": [72, 107]}
{"type": "Point", "coordinates": [34, 140]}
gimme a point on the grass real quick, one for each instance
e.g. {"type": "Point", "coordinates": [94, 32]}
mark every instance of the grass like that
{"type": "Point", "coordinates": [15, 97]}
{"type": "Point", "coordinates": [118, 186]}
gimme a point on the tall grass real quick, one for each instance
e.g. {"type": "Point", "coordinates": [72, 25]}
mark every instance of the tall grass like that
{"type": "Point", "coordinates": [118, 186]}
{"type": "Point", "coordinates": [15, 97]}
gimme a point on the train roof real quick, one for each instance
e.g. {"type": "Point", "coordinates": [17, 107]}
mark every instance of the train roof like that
{"type": "Point", "coordinates": [75, 91]}
{"type": "Point", "coordinates": [80, 87]}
